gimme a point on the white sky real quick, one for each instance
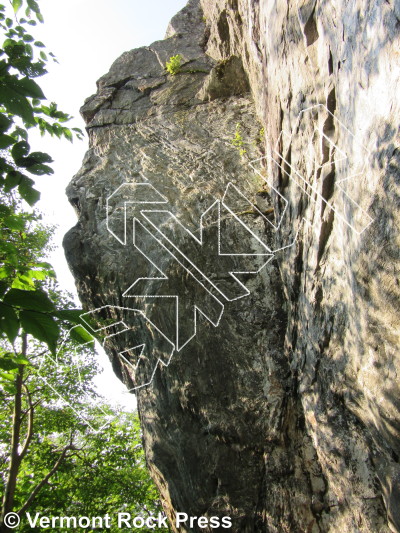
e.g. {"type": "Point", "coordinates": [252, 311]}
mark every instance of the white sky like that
{"type": "Point", "coordinates": [86, 36]}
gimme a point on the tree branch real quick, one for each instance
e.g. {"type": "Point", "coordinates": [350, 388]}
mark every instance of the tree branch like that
{"type": "Point", "coordinates": [29, 431]}
{"type": "Point", "coordinates": [40, 485]}
{"type": "Point", "coordinates": [15, 459]}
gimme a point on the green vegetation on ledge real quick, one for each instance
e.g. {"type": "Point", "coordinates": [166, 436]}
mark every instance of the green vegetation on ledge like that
{"type": "Point", "coordinates": [174, 65]}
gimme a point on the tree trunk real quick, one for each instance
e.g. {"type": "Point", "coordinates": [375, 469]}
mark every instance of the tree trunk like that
{"type": "Point", "coordinates": [15, 457]}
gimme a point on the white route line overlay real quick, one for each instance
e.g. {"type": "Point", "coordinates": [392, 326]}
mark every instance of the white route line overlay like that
{"type": "Point", "coordinates": [89, 331]}
{"type": "Point", "coordinates": [56, 364]}
{"type": "Point", "coordinates": [200, 241]}
{"type": "Point", "coordinates": [302, 181]}
{"type": "Point", "coordinates": [127, 328]}
{"type": "Point", "coordinates": [161, 199]}
{"type": "Point", "coordinates": [141, 187]}
{"type": "Point", "coordinates": [268, 253]}
{"type": "Point", "coordinates": [196, 309]}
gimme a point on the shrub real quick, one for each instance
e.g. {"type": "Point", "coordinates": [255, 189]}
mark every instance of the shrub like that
{"type": "Point", "coordinates": [237, 140]}
{"type": "Point", "coordinates": [173, 66]}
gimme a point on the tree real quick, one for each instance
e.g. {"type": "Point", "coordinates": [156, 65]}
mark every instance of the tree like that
{"type": "Point", "coordinates": [47, 444]}
{"type": "Point", "coordinates": [22, 399]}
{"type": "Point", "coordinates": [22, 107]}
{"type": "Point", "coordinates": [52, 457]}
{"type": "Point", "coordinates": [21, 101]}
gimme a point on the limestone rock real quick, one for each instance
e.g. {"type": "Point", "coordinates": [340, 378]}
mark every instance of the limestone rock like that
{"type": "Point", "coordinates": [279, 133]}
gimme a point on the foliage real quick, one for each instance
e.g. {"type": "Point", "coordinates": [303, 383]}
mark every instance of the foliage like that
{"type": "Point", "coordinates": [91, 472]}
{"type": "Point", "coordinates": [22, 240]}
{"type": "Point", "coordinates": [174, 65]}
{"type": "Point", "coordinates": [28, 302]}
{"type": "Point", "coordinates": [25, 303]}
{"type": "Point", "coordinates": [260, 138]}
{"type": "Point", "coordinates": [238, 141]}
{"type": "Point", "coordinates": [49, 455]}
{"type": "Point", "coordinates": [23, 59]}
{"type": "Point", "coordinates": [107, 475]}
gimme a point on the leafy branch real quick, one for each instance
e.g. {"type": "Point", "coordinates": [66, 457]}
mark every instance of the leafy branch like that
{"type": "Point", "coordinates": [22, 103]}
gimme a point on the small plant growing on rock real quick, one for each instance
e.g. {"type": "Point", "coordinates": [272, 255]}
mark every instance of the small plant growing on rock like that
{"type": "Point", "coordinates": [237, 140]}
{"type": "Point", "coordinates": [174, 65]}
{"type": "Point", "coordinates": [260, 137]}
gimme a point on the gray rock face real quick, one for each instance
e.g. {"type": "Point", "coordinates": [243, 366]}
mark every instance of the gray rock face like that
{"type": "Point", "coordinates": [278, 405]}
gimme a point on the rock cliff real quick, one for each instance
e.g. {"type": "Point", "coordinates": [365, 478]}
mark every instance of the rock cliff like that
{"type": "Point", "coordinates": [240, 218]}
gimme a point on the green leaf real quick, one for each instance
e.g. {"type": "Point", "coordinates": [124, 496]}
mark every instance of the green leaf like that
{"type": "Point", "coordinates": [5, 272]}
{"type": "Point", "coordinates": [9, 376]}
{"type": "Point", "coordinates": [21, 360]}
{"type": "Point", "coordinates": [28, 193]}
{"type": "Point", "coordinates": [6, 363]}
{"type": "Point", "coordinates": [70, 315]}
{"type": "Point", "coordinates": [9, 322]}
{"type": "Point", "coordinates": [39, 169]}
{"type": "Point", "coordinates": [46, 266]}
{"type": "Point", "coordinates": [20, 133]}
{"type": "Point", "coordinates": [4, 67]}
{"type": "Point", "coordinates": [13, 179]}
{"type": "Point", "coordinates": [23, 86]}
{"type": "Point", "coordinates": [81, 335]}
{"type": "Point", "coordinates": [6, 141]}
{"type": "Point", "coordinates": [9, 361]}
{"type": "Point", "coordinates": [30, 88]}
{"type": "Point", "coordinates": [13, 48]}
{"type": "Point", "coordinates": [5, 210]}
{"type": "Point", "coordinates": [67, 134]}
{"type": "Point", "coordinates": [9, 387]}
{"type": "Point", "coordinates": [29, 49]}
{"type": "Point", "coordinates": [33, 300]}
{"type": "Point", "coordinates": [40, 157]}
{"type": "Point", "coordinates": [14, 222]}
{"type": "Point", "coordinates": [5, 123]}
{"type": "Point", "coordinates": [3, 287]}
{"type": "Point", "coordinates": [16, 5]}
{"type": "Point", "coordinates": [41, 326]}
{"type": "Point", "coordinates": [33, 5]}
{"type": "Point", "coordinates": [34, 162]}
{"type": "Point", "coordinates": [23, 283]}
{"type": "Point", "coordinates": [11, 33]}
{"type": "Point", "coordinates": [15, 103]}
{"type": "Point", "coordinates": [19, 150]}
{"type": "Point", "coordinates": [10, 250]}
{"type": "Point", "coordinates": [36, 274]}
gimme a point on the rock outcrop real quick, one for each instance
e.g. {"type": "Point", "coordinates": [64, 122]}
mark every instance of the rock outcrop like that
{"type": "Point", "coordinates": [270, 395]}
